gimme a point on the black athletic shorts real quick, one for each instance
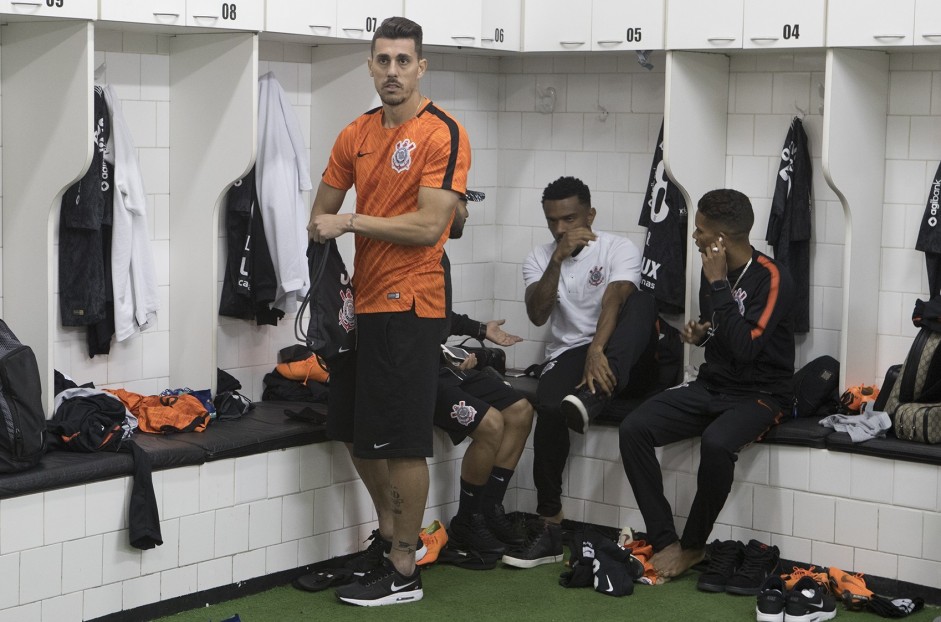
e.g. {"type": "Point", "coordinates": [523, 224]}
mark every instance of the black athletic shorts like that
{"type": "Point", "coordinates": [464, 398]}
{"type": "Point", "coordinates": [382, 395]}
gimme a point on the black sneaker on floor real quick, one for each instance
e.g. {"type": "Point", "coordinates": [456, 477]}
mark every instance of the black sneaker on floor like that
{"type": "Point", "coordinates": [506, 531]}
{"type": "Point", "coordinates": [370, 558]}
{"type": "Point", "coordinates": [374, 555]}
{"type": "Point", "coordinates": [470, 532]}
{"type": "Point", "coordinates": [759, 562]}
{"type": "Point", "coordinates": [772, 598]}
{"type": "Point", "coordinates": [542, 547]}
{"type": "Point", "coordinates": [382, 586]}
{"type": "Point", "coordinates": [582, 407]}
{"type": "Point", "coordinates": [724, 558]}
{"type": "Point", "coordinates": [809, 602]}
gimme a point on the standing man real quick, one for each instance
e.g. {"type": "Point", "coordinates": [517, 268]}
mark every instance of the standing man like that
{"type": "Point", "coordinates": [603, 342]}
{"type": "Point", "coordinates": [409, 161]}
{"type": "Point", "coordinates": [743, 388]}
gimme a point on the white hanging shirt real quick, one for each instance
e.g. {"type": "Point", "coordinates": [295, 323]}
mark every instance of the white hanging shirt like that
{"type": "Point", "coordinates": [282, 174]}
{"type": "Point", "coordinates": [133, 275]}
{"type": "Point", "coordinates": [582, 282]}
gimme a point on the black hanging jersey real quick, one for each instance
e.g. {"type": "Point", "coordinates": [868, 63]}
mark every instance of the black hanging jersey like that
{"type": "Point", "coordinates": [663, 272]}
{"type": "Point", "coordinates": [790, 219]}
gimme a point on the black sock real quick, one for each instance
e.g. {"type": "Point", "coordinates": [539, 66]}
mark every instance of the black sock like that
{"type": "Point", "coordinates": [471, 499]}
{"type": "Point", "coordinates": [496, 486]}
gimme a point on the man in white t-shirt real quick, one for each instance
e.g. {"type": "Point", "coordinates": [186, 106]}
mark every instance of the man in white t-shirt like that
{"type": "Point", "coordinates": [603, 341]}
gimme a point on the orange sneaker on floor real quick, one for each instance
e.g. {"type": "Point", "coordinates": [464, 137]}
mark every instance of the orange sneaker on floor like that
{"type": "Point", "coordinates": [435, 537]}
{"type": "Point", "coordinates": [850, 587]}
{"type": "Point", "coordinates": [791, 579]}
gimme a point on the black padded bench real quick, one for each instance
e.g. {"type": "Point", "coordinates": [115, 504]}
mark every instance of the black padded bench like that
{"type": "Point", "coordinates": [265, 428]}
{"type": "Point", "coordinates": [800, 432]}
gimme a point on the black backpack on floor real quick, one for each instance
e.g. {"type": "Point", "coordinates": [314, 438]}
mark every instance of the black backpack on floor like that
{"type": "Point", "coordinates": [23, 426]}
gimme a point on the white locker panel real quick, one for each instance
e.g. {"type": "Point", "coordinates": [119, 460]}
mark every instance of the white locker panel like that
{"type": "Point", "coordinates": [501, 24]}
{"type": "Point", "coordinates": [556, 26]}
{"type": "Point", "coordinates": [927, 22]}
{"type": "Point", "coordinates": [359, 19]}
{"type": "Point", "coordinates": [301, 17]}
{"type": "Point", "coordinates": [792, 24]}
{"type": "Point", "coordinates": [83, 9]}
{"type": "Point", "coordinates": [696, 25]}
{"type": "Point", "coordinates": [627, 25]}
{"type": "Point", "coordinates": [165, 12]}
{"type": "Point", "coordinates": [870, 22]}
{"type": "Point", "coordinates": [231, 15]}
{"type": "Point", "coordinates": [454, 24]}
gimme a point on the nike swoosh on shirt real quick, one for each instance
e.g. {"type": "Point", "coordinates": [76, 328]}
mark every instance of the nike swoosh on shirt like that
{"type": "Point", "coordinates": [396, 588]}
{"type": "Point", "coordinates": [342, 350]}
{"type": "Point", "coordinates": [379, 445]}
{"type": "Point", "coordinates": [360, 154]}
{"type": "Point", "coordinates": [610, 586]}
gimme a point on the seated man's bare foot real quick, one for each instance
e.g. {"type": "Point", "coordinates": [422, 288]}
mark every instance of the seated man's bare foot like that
{"type": "Point", "coordinates": [675, 560]}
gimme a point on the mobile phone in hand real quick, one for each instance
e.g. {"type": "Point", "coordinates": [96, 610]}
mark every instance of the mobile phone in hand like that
{"type": "Point", "coordinates": [454, 354]}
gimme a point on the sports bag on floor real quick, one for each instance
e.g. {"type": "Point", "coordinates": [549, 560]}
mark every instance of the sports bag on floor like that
{"type": "Point", "coordinates": [331, 330]}
{"type": "Point", "coordinates": [23, 429]}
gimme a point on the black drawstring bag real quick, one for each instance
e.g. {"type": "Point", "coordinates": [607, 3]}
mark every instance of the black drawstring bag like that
{"type": "Point", "coordinates": [331, 330]}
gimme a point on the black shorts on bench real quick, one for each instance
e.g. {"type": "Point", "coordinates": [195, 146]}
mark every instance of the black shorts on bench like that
{"type": "Point", "coordinates": [464, 398]}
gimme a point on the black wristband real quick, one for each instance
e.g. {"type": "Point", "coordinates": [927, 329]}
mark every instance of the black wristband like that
{"type": "Point", "coordinates": [481, 331]}
{"type": "Point", "coordinates": [718, 286]}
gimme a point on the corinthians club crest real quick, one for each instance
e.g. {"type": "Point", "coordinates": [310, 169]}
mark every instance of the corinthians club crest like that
{"type": "Point", "coordinates": [347, 315]}
{"type": "Point", "coordinates": [463, 413]}
{"type": "Point", "coordinates": [402, 156]}
{"type": "Point", "coordinates": [596, 276]}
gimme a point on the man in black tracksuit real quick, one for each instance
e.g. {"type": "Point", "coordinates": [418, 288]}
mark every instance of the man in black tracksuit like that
{"type": "Point", "coordinates": [743, 388]}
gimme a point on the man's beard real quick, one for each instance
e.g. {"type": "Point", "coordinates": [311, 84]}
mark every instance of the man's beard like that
{"type": "Point", "coordinates": [392, 100]}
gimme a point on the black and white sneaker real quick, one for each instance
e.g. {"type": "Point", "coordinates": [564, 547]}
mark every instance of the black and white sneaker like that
{"type": "Point", "coordinates": [759, 562]}
{"type": "Point", "coordinates": [370, 558]}
{"type": "Point", "coordinates": [772, 599]}
{"type": "Point", "coordinates": [724, 557]}
{"type": "Point", "coordinates": [382, 586]}
{"type": "Point", "coordinates": [543, 547]}
{"type": "Point", "coordinates": [470, 532]}
{"type": "Point", "coordinates": [809, 602]}
{"type": "Point", "coordinates": [374, 555]}
{"type": "Point", "coordinates": [579, 409]}
{"type": "Point", "coordinates": [510, 533]}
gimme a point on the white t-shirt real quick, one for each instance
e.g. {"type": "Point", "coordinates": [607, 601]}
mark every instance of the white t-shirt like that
{"type": "Point", "coordinates": [582, 283]}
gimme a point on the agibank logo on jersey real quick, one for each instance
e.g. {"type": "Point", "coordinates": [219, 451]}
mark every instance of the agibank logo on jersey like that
{"type": "Point", "coordinates": [463, 413]}
{"type": "Point", "coordinates": [596, 276]}
{"type": "Point", "coordinates": [402, 156]}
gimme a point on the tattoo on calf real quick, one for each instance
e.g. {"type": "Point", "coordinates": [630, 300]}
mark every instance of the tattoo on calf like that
{"type": "Point", "coordinates": [407, 547]}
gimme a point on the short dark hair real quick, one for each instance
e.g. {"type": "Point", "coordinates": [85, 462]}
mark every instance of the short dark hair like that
{"type": "Point", "coordinates": [398, 28]}
{"type": "Point", "coordinates": [565, 187]}
{"type": "Point", "coordinates": [729, 209]}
